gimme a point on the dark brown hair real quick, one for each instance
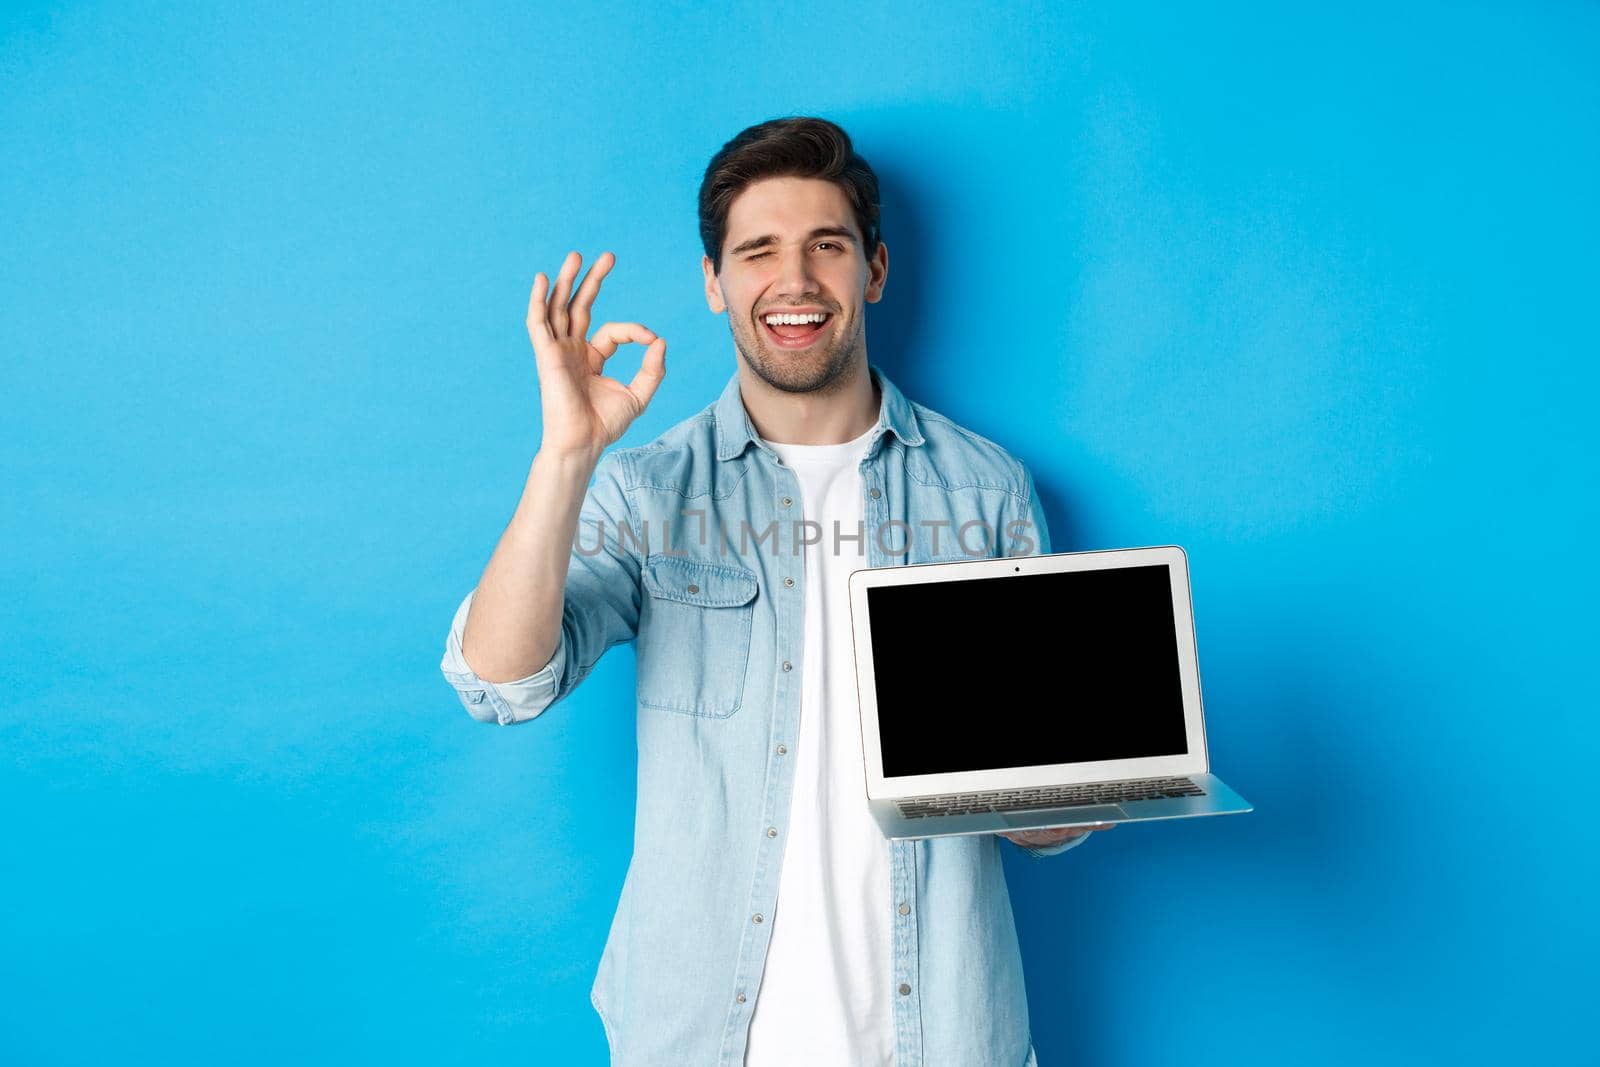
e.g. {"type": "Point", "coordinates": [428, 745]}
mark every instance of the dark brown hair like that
{"type": "Point", "coordinates": [798, 147]}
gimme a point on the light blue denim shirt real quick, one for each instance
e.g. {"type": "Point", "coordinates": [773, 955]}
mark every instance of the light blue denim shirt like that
{"type": "Point", "coordinates": [708, 580]}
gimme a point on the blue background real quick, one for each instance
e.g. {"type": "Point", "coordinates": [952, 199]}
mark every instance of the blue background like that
{"type": "Point", "coordinates": [1310, 294]}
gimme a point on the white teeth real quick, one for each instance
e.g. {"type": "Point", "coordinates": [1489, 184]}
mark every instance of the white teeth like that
{"type": "Point", "coordinates": [794, 320]}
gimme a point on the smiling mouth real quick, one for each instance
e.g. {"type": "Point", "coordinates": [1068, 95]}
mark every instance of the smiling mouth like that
{"type": "Point", "coordinates": [794, 336]}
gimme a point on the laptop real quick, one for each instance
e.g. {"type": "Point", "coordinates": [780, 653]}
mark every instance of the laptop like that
{"type": "Point", "coordinates": [1031, 691]}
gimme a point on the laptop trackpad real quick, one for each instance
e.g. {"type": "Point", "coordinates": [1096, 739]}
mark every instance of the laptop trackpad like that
{"type": "Point", "coordinates": [1081, 814]}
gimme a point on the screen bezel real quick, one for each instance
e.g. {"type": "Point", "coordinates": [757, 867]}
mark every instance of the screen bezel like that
{"type": "Point", "coordinates": [1194, 761]}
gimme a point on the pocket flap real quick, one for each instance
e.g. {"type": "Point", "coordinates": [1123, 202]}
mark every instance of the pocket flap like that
{"type": "Point", "coordinates": [710, 585]}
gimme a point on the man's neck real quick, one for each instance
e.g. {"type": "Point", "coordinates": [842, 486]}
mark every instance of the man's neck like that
{"type": "Point", "coordinates": [827, 418]}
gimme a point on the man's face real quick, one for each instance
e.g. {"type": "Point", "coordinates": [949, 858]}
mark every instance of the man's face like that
{"type": "Point", "coordinates": [792, 247]}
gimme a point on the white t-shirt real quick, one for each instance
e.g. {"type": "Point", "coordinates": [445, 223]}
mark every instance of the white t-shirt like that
{"type": "Point", "coordinates": [825, 995]}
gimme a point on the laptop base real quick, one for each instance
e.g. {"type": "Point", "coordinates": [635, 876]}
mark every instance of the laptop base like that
{"type": "Point", "coordinates": [1216, 799]}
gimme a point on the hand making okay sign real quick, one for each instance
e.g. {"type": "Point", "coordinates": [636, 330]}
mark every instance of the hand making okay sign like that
{"type": "Point", "coordinates": [585, 411]}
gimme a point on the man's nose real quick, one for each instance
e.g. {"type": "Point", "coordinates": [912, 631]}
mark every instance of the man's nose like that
{"type": "Point", "coordinates": [795, 277]}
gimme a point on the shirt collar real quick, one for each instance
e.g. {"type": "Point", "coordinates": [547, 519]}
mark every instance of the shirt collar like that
{"type": "Point", "coordinates": [734, 431]}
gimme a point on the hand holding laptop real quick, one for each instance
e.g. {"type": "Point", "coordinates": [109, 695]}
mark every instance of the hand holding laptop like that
{"type": "Point", "coordinates": [1044, 838]}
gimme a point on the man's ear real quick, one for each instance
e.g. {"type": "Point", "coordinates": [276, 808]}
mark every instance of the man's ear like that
{"type": "Point", "coordinates": [713, 288]}
{"type": "Point", "coordinates": [877, 273]}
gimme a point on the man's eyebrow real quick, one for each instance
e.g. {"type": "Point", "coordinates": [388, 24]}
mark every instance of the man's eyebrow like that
{"type": "Point", "coordinates": [772, 239]}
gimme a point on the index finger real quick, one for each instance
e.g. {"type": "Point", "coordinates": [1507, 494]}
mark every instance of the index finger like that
{"type": "Point", "coordinates": [608, 337]}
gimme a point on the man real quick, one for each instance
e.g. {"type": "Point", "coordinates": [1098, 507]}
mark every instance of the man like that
{"type": "Point", "coordinates": [764, 919]}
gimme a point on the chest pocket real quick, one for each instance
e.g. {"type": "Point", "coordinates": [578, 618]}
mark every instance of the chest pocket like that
{"type": "Point", "coordinates": [694, 648]}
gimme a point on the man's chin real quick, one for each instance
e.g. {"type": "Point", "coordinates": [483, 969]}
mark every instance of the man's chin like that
{"type": "Point", "coordinates": [796, 372]}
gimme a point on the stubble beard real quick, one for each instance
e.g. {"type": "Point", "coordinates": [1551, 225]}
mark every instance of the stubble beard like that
{"type": "Point", "coordinates": [809, 371]}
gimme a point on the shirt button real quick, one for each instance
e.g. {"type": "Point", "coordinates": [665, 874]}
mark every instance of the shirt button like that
{"type": "Point", "coordinates": [905, 909]}
{"type": "Point", "coordinates": [787, 501]}
{"type": "Point", "coordinates": [756, 917]}
{"type": "Point", "coordinates": [772, 831]}
{"type": "Point", "coordinates": [788, 581]}
{"type": "Point", "coordinates": [905, 990]}
{"type": "Point", "coordinates": [874, 494]}
{"type": "Point", "coordinates": [740, 998]}
{"type": "Point", "coordinates": [782, 749]}
{"type": "Point", "coordinates": [788, 666]}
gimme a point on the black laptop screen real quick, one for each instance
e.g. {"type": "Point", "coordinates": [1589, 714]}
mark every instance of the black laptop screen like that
{"type": "Point", "coordinates": [1025, 670]}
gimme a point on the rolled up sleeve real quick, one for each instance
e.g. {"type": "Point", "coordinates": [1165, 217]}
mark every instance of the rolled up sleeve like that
{"type": "Point", "coordinates": [499, 702]}
{"type": "Point", "coordinates": [600, 608]}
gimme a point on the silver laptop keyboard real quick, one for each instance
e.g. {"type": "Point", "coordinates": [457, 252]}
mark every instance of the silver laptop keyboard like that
{"type": "Point", "coordinates": [1065, 796]}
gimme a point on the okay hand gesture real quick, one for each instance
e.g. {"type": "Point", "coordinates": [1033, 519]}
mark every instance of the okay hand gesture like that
{"type": "Point", "coordinates": [585, 411]}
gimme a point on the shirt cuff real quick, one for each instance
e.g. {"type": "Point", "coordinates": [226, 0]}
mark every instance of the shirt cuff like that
{"type": "Point", "coordinates": [505, 703]}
